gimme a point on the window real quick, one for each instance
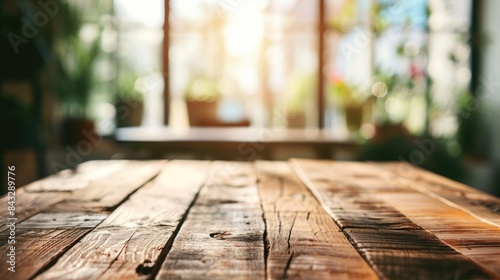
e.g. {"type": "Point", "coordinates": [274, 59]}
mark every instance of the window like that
{"type": "Point", "coordinates": [139, 53]}
{"type": "Point", "coordinates": [261, 56]}
{"type": "Point", "coordinates": [380, 62]}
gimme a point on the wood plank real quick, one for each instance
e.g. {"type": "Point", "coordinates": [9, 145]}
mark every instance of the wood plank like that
{"type": "Point", "coordinates": [42, 238]}
{"type": "Point", "coordinates": [169, 198]}
{"type": "Point", "coordinates": [304, 241]}
{"type": "Point", "coordinates": [129, 243]}
{"type": "Point", "coordinates": [465, 233]}
{"type": "Point", "coordinates": [350, 205]}
{"type": "Point", "coordinates": [49, 220]}
{"type": "Point", "coordinates": [107, 193]}
{"type": "Point", "coordinates": [29, 204]}
{"type": "Point", "coordinates": [81, 177]}
{"type": "Point", "coordinates": [473, 201]}
{"type": "Point", "coordinates": [462, 231]}
{"type": "Point", "coordinates": [222, 236]}
{"type": "Point", "coordinates": [69, 224]}
{"type": "Point", "coordinates": [413, 254]}
{"type": "Point", "coordinates": [44, 194]}
{"type": "Point", "coordinates": [91, 256]}
{"type": "Point", "coordinates": [393, 250]}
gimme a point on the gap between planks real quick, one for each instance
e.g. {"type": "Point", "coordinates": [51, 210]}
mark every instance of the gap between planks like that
{"type": "Point", "coordinates": [222, 237]}
{"type": "Point", "coordinates": [304, 241]}
{"type": "Point", "coordinates": [38, 244]}
{"type": "Point", "coordinates": [129, 243]}
{"type": "Point", "coordinates": [127, 262]}
{"type": "Point", "coordinates": [460, 229]}
{"type": "Point", "coordinates": [475, 202]}
{"type": "Point", "coordinates": [69, 223]}
{"type": "Point", "coordinates": [396, 247]}
{"type": "Point", "coordinates": [41, 195]}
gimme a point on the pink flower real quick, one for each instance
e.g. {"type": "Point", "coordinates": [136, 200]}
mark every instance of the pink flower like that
{"type": "Point", "coordinates": [415, 71]}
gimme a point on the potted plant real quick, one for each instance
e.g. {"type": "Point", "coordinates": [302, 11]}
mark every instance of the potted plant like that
{"type": "Point", "coordinates": [202, 96]}
{"type": "Point", "coordinates": [299, 91]}
{"type": "Point", "coordinates": [349, 99]}
{"type": "Point", "coordinates": [74, 87]}
{"type": "Point", "coordinates": [76, 48]}
{"type": "Point", "coordinates": [129, 101]}
{"type": "Point", "coordinates": [393, 94]}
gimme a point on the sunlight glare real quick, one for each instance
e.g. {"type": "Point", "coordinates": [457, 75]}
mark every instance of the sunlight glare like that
{"type": "Point", "coordinates": [243, 36]}
{"type": "Point", "coordinates": [144, 12]}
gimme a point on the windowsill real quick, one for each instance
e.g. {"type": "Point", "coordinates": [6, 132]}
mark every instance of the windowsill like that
{"type": "Point", "coordinates": [239, 143]}
{"type": "Point", "coordinates": [230, 134]}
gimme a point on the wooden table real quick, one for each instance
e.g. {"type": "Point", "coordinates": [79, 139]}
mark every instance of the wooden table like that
{"type": "Point", "coordinates": [301, 219]}
{"type": "Point", "coordinates": [234, 143]}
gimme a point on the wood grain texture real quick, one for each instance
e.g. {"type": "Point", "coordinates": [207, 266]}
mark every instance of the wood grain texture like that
{"type": "Point", "coordinates": [29, 204]}
{"type": "Point", "coordinates": [128, 243]}
{"type": "Point", "coordinates": [304, 241]}
{"type": "Point", "coordinates": [44, 237]}
{"type": "Point", "coordinates": [50, 220]}
{"type": "Point", "coordinates": [91, 256]}
{"type": "Point", "coordinates": [232, 220]}
{"type": "Point", "coordinates": [44, 194]}
{"type": "Point", "coordinates": [222, 237]}
{"type": "Point", "coordinates": [108, 192]}
{"type": "Point", "coordinates": [70, 180]}
{"type": "Point", "coordinates": [465, 233]}
{"type": "Point", "coordinates": [396, 247]}
{"type": "Point", "coordinates": [413, 254]}
{"type": "Point", "coordinates": [340, 191]}
{"type": "Point", "coordinates": [473, 201]}
{"type": "Point", "coordinates": [35, 229]}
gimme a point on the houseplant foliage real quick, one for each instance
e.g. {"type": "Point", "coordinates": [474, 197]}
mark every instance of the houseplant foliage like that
{"type": "Point", "coordinates": [299, 94]}
{"type": "Point", "coordinates": [76, 75]}
{"type": "Point", "coordinates": [350, 99]}
{"type": "Point", "coordinates": [129, 101]}
{"type": "Point", "coordinates": [402, 101]}
{"type": "Point", "coordinates": [76, 49]}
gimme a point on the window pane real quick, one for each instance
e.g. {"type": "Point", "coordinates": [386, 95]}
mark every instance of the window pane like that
{"type": "Point", "coordinates": [140, 55]}
{"type": "Point", "coordinates": [259, 55]}
{"type": "Point", "coordinates": [388, 55]}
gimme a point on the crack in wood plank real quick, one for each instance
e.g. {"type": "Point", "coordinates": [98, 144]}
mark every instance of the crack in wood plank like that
{"type": "Point", "coordinates": [265, 242]}
{"type": "Point", "coordinates": [221, 240]}
{"type": "Point", "coordinates": [290, 232]}
{"type": "Point", "coordinates": [305, 243]}
{"type": "Point", "coordinates": [288, 264]}
{"type": "Point", "coordinates": [263, 222]}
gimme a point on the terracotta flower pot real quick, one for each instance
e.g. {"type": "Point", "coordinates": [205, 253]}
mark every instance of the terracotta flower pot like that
{"type": "Point", "coordinates": [354, 117]}
{"type": "Point", "coordinates": [75, 130]}
{"type": "Point", "coordinates": [296, 120]}
{"type": "Point", "coordinates": [388, 131]}
{"type": "Point", "coordinates": [202, 113]}
{"type": "Point", "coordinates": [129, 113]}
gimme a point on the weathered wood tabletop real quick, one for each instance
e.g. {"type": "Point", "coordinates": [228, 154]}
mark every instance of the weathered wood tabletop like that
{"type": "Point", "coordinates": [301, 219]}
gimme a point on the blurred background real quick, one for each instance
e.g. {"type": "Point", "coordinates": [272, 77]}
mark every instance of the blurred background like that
{"type": "Point", "coordinates": [382, 80]}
